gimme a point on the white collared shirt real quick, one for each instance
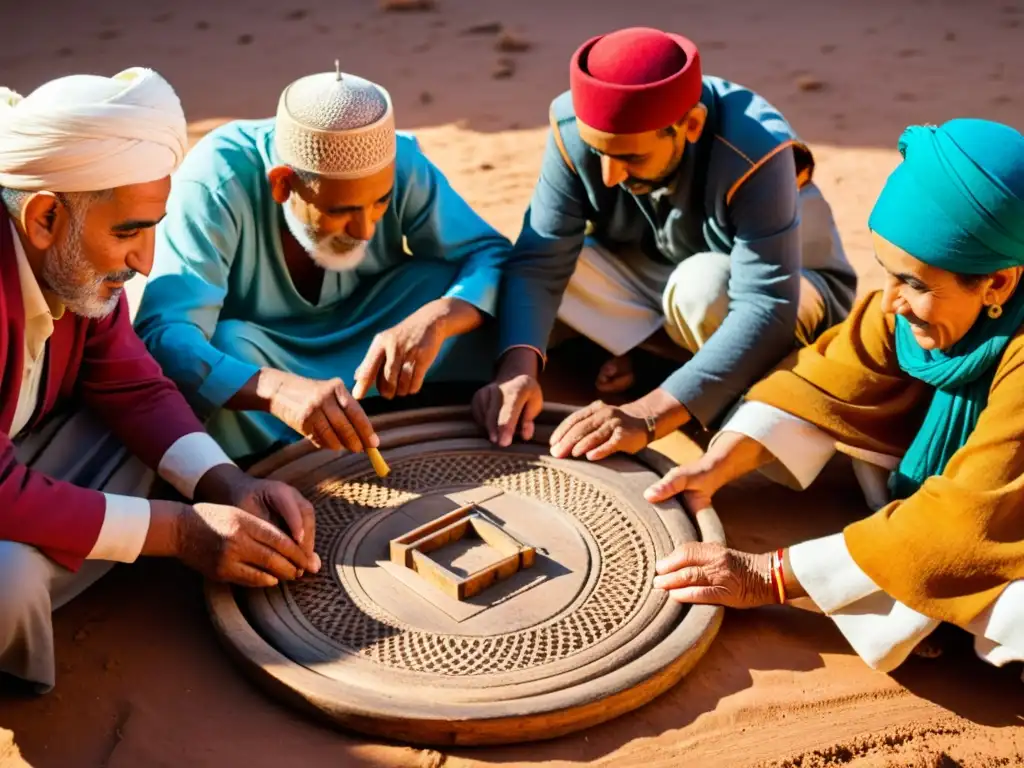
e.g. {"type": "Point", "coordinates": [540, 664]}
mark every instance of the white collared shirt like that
{"type": "Point", "coordinates": [40, 315]}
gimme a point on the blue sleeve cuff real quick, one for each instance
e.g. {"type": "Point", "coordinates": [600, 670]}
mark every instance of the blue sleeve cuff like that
{"type": "Point", "coordinates": [479, 289]}
{"type": "Point", "coordinates": [706, 399]}
{"type": "Point", "coordinates": [227, 377]}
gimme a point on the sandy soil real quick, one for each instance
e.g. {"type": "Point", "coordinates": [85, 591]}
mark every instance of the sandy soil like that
{"type": "Point", "coordinates": [142, 681]}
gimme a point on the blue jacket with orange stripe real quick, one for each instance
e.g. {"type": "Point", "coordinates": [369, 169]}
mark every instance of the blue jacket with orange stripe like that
{"type": "Point", "coordinates": [736, 192]}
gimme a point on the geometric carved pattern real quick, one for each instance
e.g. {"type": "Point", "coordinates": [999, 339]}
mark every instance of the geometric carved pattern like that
{"type": "Point", "coordinates": [627, 567]}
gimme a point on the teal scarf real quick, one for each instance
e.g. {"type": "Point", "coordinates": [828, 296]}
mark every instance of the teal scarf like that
{"type": "Point", "coordinates": [956, 202]}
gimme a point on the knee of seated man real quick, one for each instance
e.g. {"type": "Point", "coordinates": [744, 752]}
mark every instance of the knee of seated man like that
{"type": "Point", "coordinates": [24, 584]}
{"type": "Point", "coordinates": [696, 299]}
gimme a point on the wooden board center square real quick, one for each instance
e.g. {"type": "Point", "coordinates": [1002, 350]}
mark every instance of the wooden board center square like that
{"type": "Point", "coordinates": [462, 552]}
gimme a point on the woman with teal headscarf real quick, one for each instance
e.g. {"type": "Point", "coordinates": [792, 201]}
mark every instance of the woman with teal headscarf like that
{"type": "Point", "coordinates": [924, 383]}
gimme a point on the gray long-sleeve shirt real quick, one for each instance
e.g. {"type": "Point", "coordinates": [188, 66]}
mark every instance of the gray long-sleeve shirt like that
{"type": "Point", "coordinates": [736, 192]}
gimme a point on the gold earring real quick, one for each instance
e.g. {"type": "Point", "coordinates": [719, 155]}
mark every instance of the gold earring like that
{"type": "Point", "coordinates": [995, 311]}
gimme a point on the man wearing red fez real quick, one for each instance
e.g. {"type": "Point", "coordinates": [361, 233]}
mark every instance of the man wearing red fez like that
{"type": "Point", "coordinates": [675, 212]}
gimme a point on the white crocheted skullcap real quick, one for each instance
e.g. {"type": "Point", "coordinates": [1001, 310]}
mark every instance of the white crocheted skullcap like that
{"type": "Point", "coordinates": [336, 125]}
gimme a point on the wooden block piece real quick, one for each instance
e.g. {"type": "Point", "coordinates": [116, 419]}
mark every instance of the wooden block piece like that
{"type": "Point", "coordinates": [411, 550]}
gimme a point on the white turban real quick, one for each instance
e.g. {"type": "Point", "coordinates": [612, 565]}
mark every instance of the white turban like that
{"type": "Point", "coordinates": [335, 125]}
{"type": "Point", "coordinates": [85, 133]}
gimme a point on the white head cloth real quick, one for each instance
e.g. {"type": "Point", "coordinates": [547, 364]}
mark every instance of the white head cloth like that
{"type": "Point", "coordinates": [85, 133]}
{"type": "Point", "coordinates": [336, 125]}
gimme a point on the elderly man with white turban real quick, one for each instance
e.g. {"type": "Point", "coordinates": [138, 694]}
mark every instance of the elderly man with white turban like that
{"type": "Point", "coordinates": [85, 163]}
{"type": "Point", "coordinates": [311, 254]}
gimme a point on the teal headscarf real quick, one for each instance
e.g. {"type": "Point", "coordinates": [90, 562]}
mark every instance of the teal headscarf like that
{"type": "Point", "coordinates": [956, 202]}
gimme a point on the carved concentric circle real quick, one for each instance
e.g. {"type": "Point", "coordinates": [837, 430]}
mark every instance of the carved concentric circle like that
{"type": "Point", "coordinates": [372, 646]}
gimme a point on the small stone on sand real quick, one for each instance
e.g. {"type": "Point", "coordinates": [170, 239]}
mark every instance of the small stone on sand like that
{"type": "Point", "coordinates": [510, 43]}
{"type": "Point", "coordinates": [505, 69]}
{"type": "Point", "coordinates": [810, 83]}
{"type": "Point", "coordinates": [202, 25]}
{"type": "Point", "coordinates": [486, 167]}
{"type": "Point", "coordinates": [908, 53]}
{"type": "Point", "coordinates": [828, 48]}
{"type": "Point", "coordinates": [407, 6]}
{"type": "Point", "coordinates": [244, 39]}
{"type": "Point", "coordinates": [426, 97]}
{"type": "Point", "coordinates": [296, 15]}
{"type": "Point", "coordinates": [950, 37]}
{"type": "Point", "coordinates": [486, 28]}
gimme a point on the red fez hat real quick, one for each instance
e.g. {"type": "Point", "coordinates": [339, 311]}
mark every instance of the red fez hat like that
{"type": "Point", "coordinates": [635, 80]}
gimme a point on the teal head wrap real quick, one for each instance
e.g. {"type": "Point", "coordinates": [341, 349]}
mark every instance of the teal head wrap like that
{"type": "Point", "coordinates": [956, 202]}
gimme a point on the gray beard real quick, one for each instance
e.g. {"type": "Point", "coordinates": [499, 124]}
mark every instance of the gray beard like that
{"type": "Point", "coordinates": [334, 253]}
{"type": "Point", "coordinates": [73, 280]}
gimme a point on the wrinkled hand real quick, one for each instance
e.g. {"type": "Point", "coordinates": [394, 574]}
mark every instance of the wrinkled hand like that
{"type": "Point", "coordinates": [228, 544]}
{"type": "Point", "coordinates": [600, 430]}
{"type": "Point", "coordinates": [508, 403]}
{"type": "Point", "coordinates": [398, 359]}
{"type": "Point", "coordinates": [699, 572]}
{"type": "Point", "coordinates": [270, 500]}
{"type": "Point", "coordinates": [322, 411]}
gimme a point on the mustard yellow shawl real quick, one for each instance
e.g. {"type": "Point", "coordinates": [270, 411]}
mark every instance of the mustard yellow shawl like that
{"type": "Point", "coordinates": [950, 549]}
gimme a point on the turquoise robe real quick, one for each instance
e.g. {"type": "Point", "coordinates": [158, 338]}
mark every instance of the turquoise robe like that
{"type": "Point", "coordinates": [220, 303]}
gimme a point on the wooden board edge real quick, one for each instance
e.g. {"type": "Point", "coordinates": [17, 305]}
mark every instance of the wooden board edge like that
{"type": "Point", "coordinates": [304, 689]}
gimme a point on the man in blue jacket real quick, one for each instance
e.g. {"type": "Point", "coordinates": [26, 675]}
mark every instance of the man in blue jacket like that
{"type": "Point", "coordinates": [676, 212]}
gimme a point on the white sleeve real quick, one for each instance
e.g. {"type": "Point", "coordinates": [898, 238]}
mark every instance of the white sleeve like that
{"type": "Point", "coordinates": [801, 450]}
{"type": "Point", "coordinates": [191, 457]}
{"type": "Point", "coordinates": [1000, 627]}
{"type": "Point", "coordinates": [884, 631]}
{"type": "Point", "coordinates": [124, 529]}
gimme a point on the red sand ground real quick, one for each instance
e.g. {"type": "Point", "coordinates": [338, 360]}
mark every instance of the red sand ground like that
{"type": "Point", "coordinates": [142, 681]}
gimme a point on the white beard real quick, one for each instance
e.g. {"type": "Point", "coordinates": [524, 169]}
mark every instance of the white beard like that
{"type": "Point", "coordinates": [335, 253]}
{"type": "Point", "coordinates": [71, 278]}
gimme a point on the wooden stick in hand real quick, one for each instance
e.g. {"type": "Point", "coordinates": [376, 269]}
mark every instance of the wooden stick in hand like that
{"type": "Point", "coordinates": [379, 465]}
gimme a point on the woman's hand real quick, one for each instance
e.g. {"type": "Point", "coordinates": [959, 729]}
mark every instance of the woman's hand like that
{"type": "Point", "coordinates": [704, 573]}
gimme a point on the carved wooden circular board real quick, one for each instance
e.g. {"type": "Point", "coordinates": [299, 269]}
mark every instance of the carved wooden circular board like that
{"type": "Point", "coordinates": [476, 595]}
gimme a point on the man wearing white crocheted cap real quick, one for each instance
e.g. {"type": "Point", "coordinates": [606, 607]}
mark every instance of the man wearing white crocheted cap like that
{"type": "Point", "coordinates": [85, 166]}
{"type": "Point", "coordinates": [309, 260]}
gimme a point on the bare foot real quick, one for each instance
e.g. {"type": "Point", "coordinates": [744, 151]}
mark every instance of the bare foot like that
{"type": "Point", "coordinates": [615, 376]}
{"type": "Point", "coordinates": [929, 648]}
